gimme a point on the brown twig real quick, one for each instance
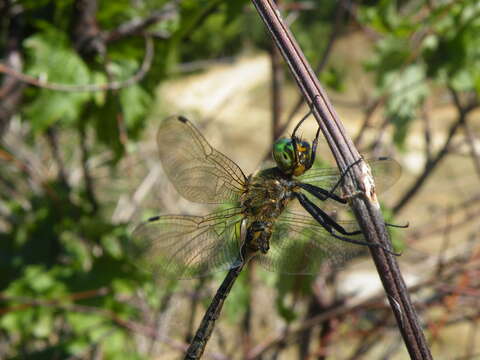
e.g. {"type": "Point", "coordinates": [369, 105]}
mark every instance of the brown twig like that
{"type": "Point", "coordinates": [339, 16]}
{"type": "Point", "coordinates": [11, 89]}
{"type": "Point", "coordinates": [52, 139]}
{"type": "Point", "coordinates": [276, 91]}
{"type": "Point", "coordinates": [365, 206]}
{"type": "Point", "coordinates": [473, 149]}
{"type": "Point", "coordinates": [115, 85]}
{"type": "Point", "coordinates": [427, 129]}
{"type": "Point", "coordinates": [463, 111]}
{"type": "Point", "coordinates": [427, 229]}
{"type": "Point", "coordinates": [367, 119]}
{"type": "Point", "coordinates": [454, 267]}
{"type": "Point", "coordinates": [85, 31]}
{"type": "Point", "coordinates": [138, 26]}
{"type": "Point", "coordinates": [87, 177]}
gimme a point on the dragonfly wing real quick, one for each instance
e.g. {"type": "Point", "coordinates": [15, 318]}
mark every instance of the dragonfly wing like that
{"type": "Point", "coordinates": [299, 245]}
{"type": "Point", "coordinates": [188, 246]}
{"type": "Point", "coordinates": [198, 171]}
{"type": "Point", "coordinates": [385, 171]}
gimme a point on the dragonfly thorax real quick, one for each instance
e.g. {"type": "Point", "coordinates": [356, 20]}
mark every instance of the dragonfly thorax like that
{"type": "Point", "coordinates": [267, 194]}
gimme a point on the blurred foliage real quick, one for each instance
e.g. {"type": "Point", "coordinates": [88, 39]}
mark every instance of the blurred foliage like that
{"type": "Point", "coordinates": [419, 47]}
{"type": "Point", "coordinates": [65, 276]}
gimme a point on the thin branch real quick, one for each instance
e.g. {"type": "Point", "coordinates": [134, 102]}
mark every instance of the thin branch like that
{"type": "Point", "coordinates": [463, 111]}
{"type": "Point", "coordinates": [453, 268]}
{"type": "Point", "coordinates": [115, 85]}
{"type": "Point", "coordinates": [11, 89]}
{"type": "Point", "coordinates": [87, 177]}
{"type": "Point", "coordinates": [277, 80]}
{"type": "Point", "coordinates": [427, 130]}
{"type": "Point", "coordinates": [139, 25]}
{"type": "Point", "coordinates": [473, 147]}
{"type": "Point", "coordinates": [339, 15]}
{"type": "Point", "coordinates": [365, 206]}
{"type": "Point", "coordinates": [85, 31]}
{"type": "Point", "coordinates": [367, 119]}
{"type": "Point", "coordinates": [52, 139]}
{"type": "Point", "coordinates": [428, 229]}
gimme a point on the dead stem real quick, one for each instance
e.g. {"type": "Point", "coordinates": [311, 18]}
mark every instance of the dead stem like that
{"type": "Point", "coordinates": [365, 208]}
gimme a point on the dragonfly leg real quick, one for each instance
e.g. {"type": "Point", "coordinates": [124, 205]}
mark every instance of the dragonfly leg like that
{"type": "Point", "coordinates": [315, 141]}
{"type": "Point", "coordinates": [342, 176]}
{"type": "Point", "coordinates": [321, 194]}
{"type": "Point", "coordinates": [322, 217]}
{"type": "Point", "coordinates": [330, 225]}
{"type": "Point", "coordinates": [314, 148]}
{"type": "Point", "coordinates": [404, 226]}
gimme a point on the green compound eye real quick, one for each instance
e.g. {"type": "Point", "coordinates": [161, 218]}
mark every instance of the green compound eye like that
{"type": "Point", "coordinates": [284, 155]}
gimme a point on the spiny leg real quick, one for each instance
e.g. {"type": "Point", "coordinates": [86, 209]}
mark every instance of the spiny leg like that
{"type": "Point", "coordinates": [323, 195]}
{"type": "Point", "coordinates": [320, 193]}
{"type": "Point", "coordinates": [310, 112]}
{"type": "Point", "coordinates": [322, 217]}
{"type": "Point", "coordinates": [398, 226]}
{"type": "Point", "coordinates": [329, 224]}
{"type": "Point", "coordinates": [342, 176]}
{"type": "Point", "coordinates": [315, 141]}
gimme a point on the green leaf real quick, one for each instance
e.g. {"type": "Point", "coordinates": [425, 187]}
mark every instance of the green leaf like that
{"type": "Point", "coordinates": [106, 124]}
{"type": "Point", "coordinates": [84, 322]}
{"type": "Point", "coordinates": [408, 91]}
{"type": "Point", "coordinates": [50, 57]}
{"type": "Point", "coordinates": [44, 324]}
{"type": "Point", "coordinates": [135, 103]}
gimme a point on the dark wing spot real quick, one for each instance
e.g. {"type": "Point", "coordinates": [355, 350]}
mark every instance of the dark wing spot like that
{"type": "Point", "coordinates": [183, 119]}
{"type": "Point", "coordinates": [154, 218]}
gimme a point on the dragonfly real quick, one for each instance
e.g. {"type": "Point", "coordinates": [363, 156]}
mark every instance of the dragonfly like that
{"type": "Point", "coordinates": [270, 216]}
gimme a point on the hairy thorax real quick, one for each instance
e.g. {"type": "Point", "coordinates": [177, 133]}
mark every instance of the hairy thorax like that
{"type": "Point", "coordinates": [268, 193]}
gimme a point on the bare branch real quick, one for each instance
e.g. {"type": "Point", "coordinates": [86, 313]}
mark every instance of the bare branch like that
{"type": "Point", "coordinates": [116, 85]}
{"type": "Point", "coordinates": [138, 26]}
{"type": "Point", "coordinates": [463, 111]}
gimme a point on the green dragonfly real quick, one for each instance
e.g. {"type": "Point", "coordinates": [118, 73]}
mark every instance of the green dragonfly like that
{"type": "Point", "coordinates": [258, 211]}
{"type": "Point", "coordinates": [270, 216]}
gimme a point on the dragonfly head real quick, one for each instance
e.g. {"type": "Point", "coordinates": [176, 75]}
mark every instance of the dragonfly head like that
{"type": "Point", "coordinates": [293, 156]}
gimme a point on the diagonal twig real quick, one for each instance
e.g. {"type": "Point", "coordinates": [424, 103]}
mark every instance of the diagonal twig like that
{"type": "Point", "coordinates": [115, 85]}
{"type": "Point", "coordinates": [365, 205]}
{"type": "Point", "coordinates": [463, 112]}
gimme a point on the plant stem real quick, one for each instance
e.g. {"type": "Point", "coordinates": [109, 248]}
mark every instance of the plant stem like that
{"type": "Point", "coordinates": [205, 329]}
{"type": "Point", "coordinates": [365, 206]}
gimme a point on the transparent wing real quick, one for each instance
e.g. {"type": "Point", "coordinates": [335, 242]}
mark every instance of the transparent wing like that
{"type": "Point", "coordinates": [198, 171]}
{"type": "Point", "coordinates": [385, 171]}
{"type": "Point", "coordinates": [188, 246]}
{"type": "Point", "coordinates": [299, 245]}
